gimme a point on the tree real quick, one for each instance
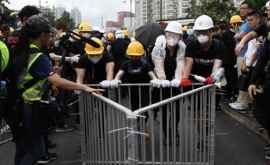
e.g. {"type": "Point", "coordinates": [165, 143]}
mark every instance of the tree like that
{"type": "Point", "coordinates": [67, 20]}
{"type": "Point", "coordinates": [217, 9]}
{"type": "Point", "coordinates": [257, 4]}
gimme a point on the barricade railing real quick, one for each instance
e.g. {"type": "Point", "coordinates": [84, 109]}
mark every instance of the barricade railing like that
{"type": "Point", "coordinates": [138, 124]}
{"type": "Point", "coordinates": [5, 132]}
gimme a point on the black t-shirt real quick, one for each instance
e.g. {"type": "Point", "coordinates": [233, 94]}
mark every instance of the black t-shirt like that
{"type": "Point", "coordinates": [118, 50]}
{"type": "Point", "coordinates": [95, 73]}
{"type": "Point", "coordinates": [170, 64]}
{"type": "Point", "coordinates": [136, 71]}
{"type": "Point", "coordinates": [203, 60]}
{"type": "Point", "coordinates": [228, 40]}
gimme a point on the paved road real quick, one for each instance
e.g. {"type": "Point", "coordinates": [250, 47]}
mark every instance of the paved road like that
{"type": "Point", "coordinates": [235, 145]}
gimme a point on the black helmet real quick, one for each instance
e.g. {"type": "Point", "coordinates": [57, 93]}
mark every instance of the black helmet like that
{"type": "Point", "coordinates": [36, 25]}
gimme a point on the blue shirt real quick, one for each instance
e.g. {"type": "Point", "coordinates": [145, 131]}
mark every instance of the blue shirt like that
{"type": "Point", "coordinates": [42, 68]}
{"type": "Point", "coordinates": [245, 27]}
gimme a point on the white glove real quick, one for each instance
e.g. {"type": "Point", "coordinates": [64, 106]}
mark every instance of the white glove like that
{"type": "Point", "coordinates": [175, 83]}
{"type": "Point", "coordinates": [155, 83]}
{"type": "Point", "coordinates": [218, 74]}
{"type": "Point", "coordinates": [115, 83]}
{"type": "Point", "coordinates": [105, 83]}
{"type": "Point", "coordinates": [165, 83]}
{"type": "Point", "coordinates": [75, 59]}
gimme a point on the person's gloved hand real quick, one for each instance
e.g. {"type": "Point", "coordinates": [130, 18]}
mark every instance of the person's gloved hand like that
{"type": "Point", "coordinates": [75, 59]}
{"type": "Point", "coordinates": [115, 83]}
{"type": "Point", "coordinates": [155, 83]}
{"type": "Point", "coordinates": [175, 83]}
{"type": "Point", "coordinates": [165, 83]}
{"type": "Point", "coordinates": [186, 82]}
{"type": "Point", "coordinates": [105, 83]}
{"type": "Point", "coordinates": [209, 80]}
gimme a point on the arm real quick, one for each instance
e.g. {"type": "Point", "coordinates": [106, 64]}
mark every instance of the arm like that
{"type": "Point", "coordinates": [180, 61]}
{"type": "Point", "coordinates": [248, 37]}
{"type": "Point", "coordinates": [217, 65]}
{"type": "Point", "coordinates": [80, 72]}
{"type": "Point", "coordinates": [158, 56]}
{"type": "Point", "coordinates": [188, 67]}
{"type": "Point", "coordinates": [59, 82]}
{"type": "Point", "coordinates": [119, 75]}
{"type": "Point", "coordinates": [152, 75]}
{"type": "Point", "coordinates": [109, 70]}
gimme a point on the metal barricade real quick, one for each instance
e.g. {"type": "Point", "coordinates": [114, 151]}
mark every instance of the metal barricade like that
{"type": "Point", "coordinates": [5, 133]}
{"type": "Point", "coordinates": [138, 124]}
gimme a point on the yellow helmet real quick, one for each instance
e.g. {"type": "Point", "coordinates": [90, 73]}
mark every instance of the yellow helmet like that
{"type": "Point", "coordinates": [126, 33]}
{"type": "Point", "coordinates": [235, 19]}
{"type": "Point", "coordinates": [92, 51]}
{"type": "Point", "coordinates": [135, 48]}
{"type": "Point", "coordinates": [85, 27]}
{"type": "Point", "coordinates": [110, 36]}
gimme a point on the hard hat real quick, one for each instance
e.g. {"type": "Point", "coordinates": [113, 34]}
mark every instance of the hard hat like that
{"type": "Point", "coordinates": [174, 27]}
{"type": "Point", "coordinates": [267, 5]}
{"type": "Point", "coordinates": [203, 22]}
{"type": "Point", "coordinates": [85, 27]}
{"type": "Point", "coordinates": [119, 34]}
{"type": "Point", "coordinates": [185, 29]}
{"type": "Point", "coordinates": [135, 48]}
{"type": "Point", "coordinates": [235, 19]}
{"type": "Point", "coordinates": [110, 36]}
{"type": "Point", "coordinates": [125, 33]}
{"type": "Point", "coordinates": [91, 50]}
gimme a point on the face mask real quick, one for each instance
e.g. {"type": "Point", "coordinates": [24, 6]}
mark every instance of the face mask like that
{"type": "Point", "coordinates": [203, 39]}
{"type": "Point", "coordinates": [95, 59]}
{"type": "Point", "coordinates": [172, 41]}
{"type": "Point", "coordinates": [86, 35]}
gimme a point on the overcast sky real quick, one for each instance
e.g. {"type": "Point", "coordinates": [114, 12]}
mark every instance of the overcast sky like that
{"type": "Point", "coordinates": [92, 10]}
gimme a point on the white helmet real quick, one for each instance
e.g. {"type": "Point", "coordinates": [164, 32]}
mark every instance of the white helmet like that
{"type": "Point", "coordinates": [174, 27]}
{"type": "Point", "coordinates": [267, 5]}
{"type": "Point", "coordinates": [119, 34]}
{"type": "Point", "coordinates": [203, 22]}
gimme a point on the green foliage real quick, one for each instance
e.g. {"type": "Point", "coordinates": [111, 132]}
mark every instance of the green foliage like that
{"type": "Point", "coordinates": [258, 4]}
{"type": "Point", "coordinates": [67, 20]}
{"type": "Point", "coordinates": [217, 9]}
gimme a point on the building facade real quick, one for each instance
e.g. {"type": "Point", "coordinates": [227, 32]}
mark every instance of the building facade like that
{"type": "Point", "coordinates": [76, 15]}
{"type": "Point", "coordinates": [147, 11]}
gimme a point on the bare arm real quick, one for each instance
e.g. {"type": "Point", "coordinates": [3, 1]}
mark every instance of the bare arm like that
{"type": "Point", "coordinates": [119, 75]}
{"type": "Point", "coordinates": [188, 67]}
{"type": "Point", "coordinates": [80, 72]}
{"type": "Point", "coordinates": [249, 36]}
{"type": "Point", "coordinates": [152, 75]}
{"type": "Point", "coordinates": [59, 82]}
{"type": "Point", "coordinates": [109, 70]}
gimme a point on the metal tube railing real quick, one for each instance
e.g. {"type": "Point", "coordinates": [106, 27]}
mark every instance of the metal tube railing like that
{"type": "Point", "coordinates": [163, 102]}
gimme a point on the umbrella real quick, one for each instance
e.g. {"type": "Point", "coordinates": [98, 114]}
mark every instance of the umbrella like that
{"type": "Point", "coordinates": [148, 33]}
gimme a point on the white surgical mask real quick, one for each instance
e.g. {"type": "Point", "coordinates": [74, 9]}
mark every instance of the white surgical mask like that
{"type": "Point", "coordinates": [95, 59]}
{"type": "Point", "coordinates": [203, 39]}
{"type": "Point", "coordinates": [172, 41]}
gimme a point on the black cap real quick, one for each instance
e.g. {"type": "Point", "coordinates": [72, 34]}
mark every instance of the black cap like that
{"type": "Point", "coordinates": [38, 24]}
{"type": "Point", "coordinates": [28, 11]}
